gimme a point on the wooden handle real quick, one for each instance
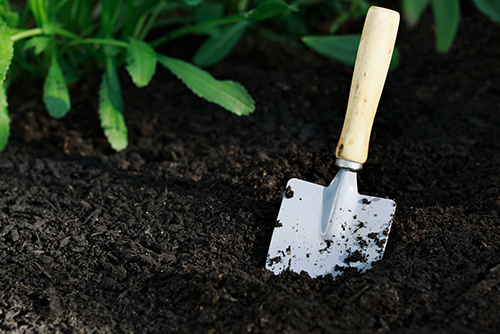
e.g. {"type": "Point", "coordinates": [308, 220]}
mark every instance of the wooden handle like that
{"type": "Point", "coordinates": [370, 71]}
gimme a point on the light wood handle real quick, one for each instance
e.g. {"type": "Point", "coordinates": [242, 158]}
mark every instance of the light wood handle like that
{"type": "Point", "coordinates": [370, 71]}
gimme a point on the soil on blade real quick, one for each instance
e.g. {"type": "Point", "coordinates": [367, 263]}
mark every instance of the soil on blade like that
{"type": "Point", "coordinates": [171, 235]}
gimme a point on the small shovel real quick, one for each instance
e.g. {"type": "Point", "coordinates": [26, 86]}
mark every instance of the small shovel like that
{"type": "Point", "coordinates": [324, 230]}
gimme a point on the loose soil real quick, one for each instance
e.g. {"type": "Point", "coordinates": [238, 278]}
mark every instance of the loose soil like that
{"type": "Point", "coordinates": [171, 235]}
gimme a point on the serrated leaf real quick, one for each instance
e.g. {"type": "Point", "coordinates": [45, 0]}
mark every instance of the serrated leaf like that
{"type": "Point", "coordinates": [490, 8]}
{"type": "Point", "coordinates": [341, 48]}
{"type": "Point", "coordinates": [55, 91]}
{"type": "Point", "coordinates": [111, 108]}
{"type": "Point", "coordinates": [6, 50]}
{"type": "Point", "coordinates": [413, 10]}
{"type": "Point", "coordinates": [269, 9]}
{"type": "Point", "coordinates": [446, 17]}
{"type": "Point", "coordinates": [141, 62]}
{"type": "Point", "coordinates": [227, 94]}
{"type": "Point", "coordinates": [39, 43]}
{"type": "Point", "coordinates": [4, 118]}
{"type": "Point", "coordinates": [214, 50]}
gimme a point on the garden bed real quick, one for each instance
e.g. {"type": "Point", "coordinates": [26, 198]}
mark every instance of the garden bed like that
{"type": "Point", "coordinates": [171, 234]}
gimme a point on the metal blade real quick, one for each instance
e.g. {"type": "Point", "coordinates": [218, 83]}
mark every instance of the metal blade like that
{"type": "Point", "coordinates": [354, 234]}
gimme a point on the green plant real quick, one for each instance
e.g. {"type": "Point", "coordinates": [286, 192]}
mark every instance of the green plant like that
{"type": "Point", "coordinates": [446, 16]}
{"type": "Point", "coordinates": [490, 8]}
{"type": "Point", "coordinates": [222, 39]}
{"type": "Point", "coordinates": [60, 39]}
{"type": "Point", "coordinates": [342, 48]}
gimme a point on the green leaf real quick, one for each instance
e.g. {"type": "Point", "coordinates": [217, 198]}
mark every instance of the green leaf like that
{"type": "Point", "coordinates": [207, 12]}
{"type": "Point", "coordinates": [38, 42]}
{"type": "Point", "coordinates": [71, 72]}
{"type": "Point", "coordinates": [11, 18]}
{"type": "Point", "coordinates": [446, 18]}
{"type": "Point", "coordinates": [111, 50]}
{"type": "Point", "coordinates": [395, 60]}
{"type": "Point", "coordinates": [269, 9]}
{"type": "Point", "coordinates": [39, 10]}
{"type": "Point", "coordinates": [55, 91]}
{"type": "Point", "coordinates": [242, 5]}
{"type": "Point", "coordinates": [413, 10]}
{"type": "Point", "coordinates": [192, 2]}
{"type": "Point", "coordinates": [109, 15]}
{"type": "Point", "coordinates": [49, 28]}
{"type": "Point", "coordinates": [341, 48]}
{"type": "Point", "coordinates": [214, 50]}
{"type": "Point", "coordinates": [6, 50]}
{"type": "Point", "coordinates": [111, 108]}
{"type": "Point", "coordinates": [341, 19]}
{"type": "Point", "coordinates": [212, 32]}
{"type": "Point", "coordinates": [228, 94]}
{"type": "Point", "coordinates": [141, 62]}
{"type": "Point", "coordinates": [294, 25]}
{"type": "Point", "coordinates": [4, 118]}
{"type": "Point", "coordinates": [264, 11]}
{"type": "Point", "coordinates": [490, 8]}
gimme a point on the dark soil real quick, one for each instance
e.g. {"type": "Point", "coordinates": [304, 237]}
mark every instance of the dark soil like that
{"type": "Point", "coordinates": [171, 235]}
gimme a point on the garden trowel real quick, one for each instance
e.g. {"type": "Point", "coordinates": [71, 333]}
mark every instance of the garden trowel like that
{"type": "Point", "coordinates": [324, 230]}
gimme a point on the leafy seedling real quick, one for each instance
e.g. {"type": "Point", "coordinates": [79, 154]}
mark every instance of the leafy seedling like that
{"type": "Point", "coordinates": [45, 35]}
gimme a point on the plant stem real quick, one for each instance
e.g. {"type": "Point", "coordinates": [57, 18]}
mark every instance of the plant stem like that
{"type": "Point", "coordinates": [26, 34]}
{"type": "Point", "coordinates": [67, 33]}
{"type": "Point", "coordinates": [187, 30]}
{"type": "Point", "coordinates": [152, 19]}
{"type": "Point", "coordinates": [106, 41]}
{"type": "Point", "coordinates": [76, 39]}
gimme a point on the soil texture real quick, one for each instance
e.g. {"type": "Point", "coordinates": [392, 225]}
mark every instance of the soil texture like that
{"type": "Point", "coordinates": [171, 235]}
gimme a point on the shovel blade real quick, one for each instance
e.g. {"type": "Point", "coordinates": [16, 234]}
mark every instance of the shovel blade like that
{"type": "Point", "coordinates": [357, 235]}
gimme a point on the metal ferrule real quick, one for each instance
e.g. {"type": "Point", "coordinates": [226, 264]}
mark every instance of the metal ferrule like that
{"type": "Point", "coordinates": [347, 164]}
